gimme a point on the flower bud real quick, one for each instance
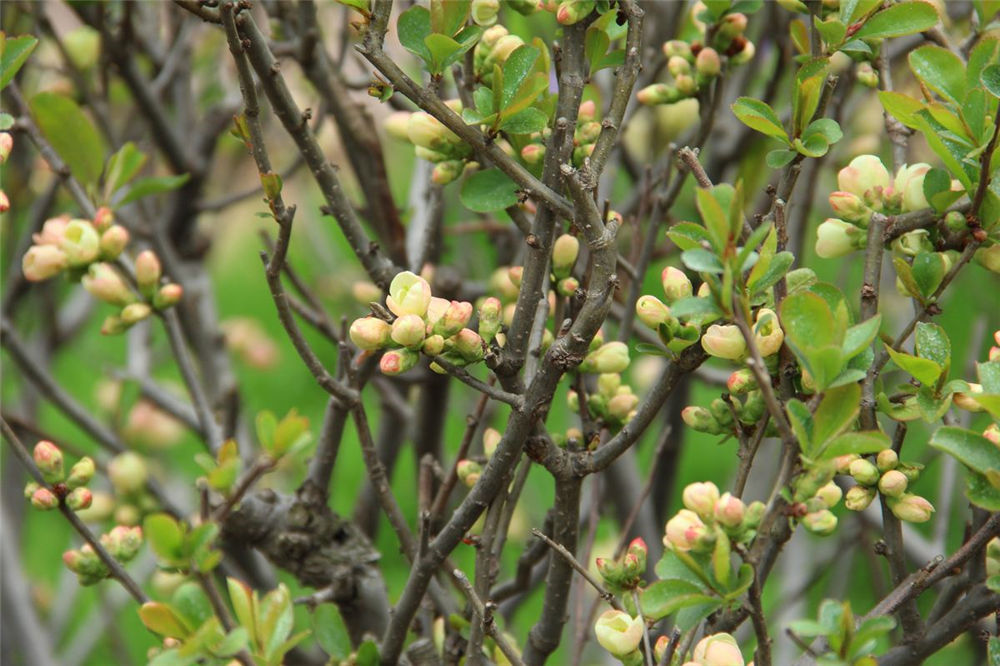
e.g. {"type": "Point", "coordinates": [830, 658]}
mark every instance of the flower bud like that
{"type": "Point", "coordinates": [660, 648]}
{"type": "Point", "coordinates": [587, 132]}
{"type": "Point", "coordinates": [962, 400]}
{"type": "Point", "coordinates": [858, 498]}
{"type": "Point", "coordinates": [49, 460]}
{"type": "Point", "coordinates": [365, 292]}
{"type": "Point", "coordinates": [677, 47]}
{"type": "Point", "coordinates": [622, 405]}
{"type": "Point", "coordinates": [836, 238]}
{"type": "Point", "coordinates": [651, 311]}
{"type": "Point", "coordinates": [113, 241]}
{"type": "Point", "coordinates": [484, 12]}
{"type": "Point", "coordinates": [408, 330]}
{"type": "Point", "coordinates": [53, 231]}
{"type": "Point", "coordinates": [718, 650]}
{"type": "Point", "coordinates": [992, 433]}
{"type": "Point", "coordinates": [396, 125]}
{"type": "Point", "coordinates": [104, 283]}
{"type": "Point", "coordinates": [468, 344]}
{"type": "Point", "coordinates": [866, 75]}
{"type": "Point", "coordinates": [426, 131]}
{"type": "Point", "coordinates": [6, 145]}
{"type": "Point", "coordinates": [80, 242]}
{"type": "Point", "coordinates": [44, 499]}
{"type": "Point", "coordinates": [489, 318]}
{"type": "Point", "coordinates": [79, 498]}
{"type": "Point", "coordinates": [658, 93]}
{"type": "Point", "coordinates": [701, 498]}
{"type": "Point", "coordinates": [724, 341]}
{"type": "Point", "coordinates": [865, 174]}
{"type": "Point", "coordinates": [533, 153]}
{"type": "Point", "coordinates": [686, 531]}
{"type": "Point", "coordinates": [491, 439]}
{"type": "Point", "coordinates": [147, 271]}
{"type": "Point", "coordinates": [686, 85]}
{"type": "Point", "coordinates": [81, 473]}
{"type": "Point", "coordinates": [618, 632]}
{"type": "Point", "coordinates": [753, 407]}
{"type": "Point", "coordinates": [822, 522]}
{"type": "Point", "coordinates": [911, 508]}
{"type": "Point", "coordinates": [843, 463]}
{"type": "Point", "coordinates": [104, 217]}
{"type": "Point", "coordinates": [850, 207]}
{"type": "Point", "coordinates": [370, 333]}
{"type": "Point", "coordinates": [767, 333]}
{"type": "Point", "coordinates": [168, 295]}
{"type": "Point", "coordinates": [433, 345]}
{"type": "Point", "coordinates": [468, 472]}
{"type": "Point", "coordinates": [732, 25]}
{"type": "Point", "coordinates": [886, 460]}
{"type": "Point", "coordinates": [574, 11]}
{"type": "Point", "coordinates": [729, 511]}
{"type": "Point", "coordinates": [398, 361]}
{"type": "Point", "coordinates": [447, 171]}
{"type": "Point", "coordinates": [864, 472]}
{"type": "Point", "coordinates": [122, 542]}
{"type": "Point", "coordinates": [989, 257]}
{"type": "Point", "coordinates": [127, 473]}
{"type": "Point", "coordinates": [678, 66]}
{"type": "Point", "coordinates": [609, 357]}
{"type": "Point", "coordinates": [741, 381]}
{"type": "Point", "coordinates": [708, 63]}
{"type": "Point", "coordinates": [454, 318]}
{"type": "Point", "coordinates": [134, 313]}
{"type": "Point", "coordinates": [700, 419]}
{"type": "Point", "coordinates": [408, 294]}
{"type": "Point", "coordinates": [913, 243]}
{"type": "Point", "coordinates": [909, 182]}
{"type": "Point", "coordinates": [4, 202]}
{"type": "Point", "coordinates": [830, 494]}
{"type": "Point", "coordinates": [638, 549]}
{"type": "Point", "coordinates": [42, 262]}
{"type": "Point", "coordinates": [609, 570]}
{"type": "Point", "coordinates": [892, 483]}
{"type": "Point", "coordinates": [745, 55]}
{"type": "Point", "coordinates": [564, 253]}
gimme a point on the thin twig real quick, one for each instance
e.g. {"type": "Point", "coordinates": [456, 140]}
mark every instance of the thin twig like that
{"type": "Point", "coordinates": [582, 570]}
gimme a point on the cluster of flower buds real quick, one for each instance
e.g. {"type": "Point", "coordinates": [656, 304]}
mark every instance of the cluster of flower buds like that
{"type": "Point", "coordinates": [707, 516]}
{"type": "Point", "coordinates": [727, 342]}
{"type": "Point", "coordinates": [565, 250]}
{"type": "Point", "coordinates": [122, 543]}
{"type": "Point", "coordinates": [434, 142]}
{"type": "Point", "coordinates": [492, 50]}
{"type": "Point", "coordinates": [608, 358]}
{"type": "Point", "coordinates": [425, 323]}
{"type": "Point", "coordinates": [693, 65]}
{"type": "Point", "coordinates": [247, 339]}
{"type": "Point", "coordinates": [613, 402]}
{"type": "Point", "coordinates": [655, 314]}
{"type": "Point", "coordinates": [814, 494]}
{"type": "Point", "coordinates": [147, 426]}
{"type": "Point", "coordinates": [888, 476]}
{"type": "Point", "coordinates": [6, 145]}
{"type": "Point", "coordinates": [625, 572]}
{"type": "Point", "coordinates": [69, 488]}
{"type": "Point", "coordinates": [620, 634]}
{"type": "Point", "coordinates": [128, 474]}
{"type": "Point", "coordinates": [84, 249]}
{"type": "Point", "coordinates": [866, 187]}
{"type": "Point", "coordinates": [588, 128]}
{"type": "Point", "coordinates": [469, 470]}
{"type": "Point", "coordinates": [725, 415]}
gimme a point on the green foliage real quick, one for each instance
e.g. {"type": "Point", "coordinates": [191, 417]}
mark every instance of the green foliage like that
{"type": "Point", "coordinates": [848, 645]}
{"type": "Point", "coordinates": [71, 133]}
{"type": "Point", "coordinates": [14, 52]}
{"type": "Point", "coordinates": [178, 546]}
{"type": "Point", "coordinates": [488, 191]}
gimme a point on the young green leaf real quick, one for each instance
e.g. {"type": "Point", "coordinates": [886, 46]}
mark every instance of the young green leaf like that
{"type": "Point", "coordinates": [15, 51]}
{"type": "Point", "coordinates": [145, 187]}
{"type": "Point", "coordinates": [760, 116]}
{"type": "Point", "coordinates": [940, 70]}
{"type": "Point", "coordinates": [991, 79]}
{"type": "Point", "coordinates": [926, 371]}
{"type": "Point", "coordinates": [413, 27]}
{"type": "Point", "coordinates": [905, 18]}
{"type": "Point", "coordinates": [331, 632]}
{"type": "Point", "coordinates": [516, 69]}
{"type": "Point", "coordinates": [665, 597]}
{"type": "Point", "coordinates": [71, 133]}
{"type": "Point", "coordinates": [968, 447]}
{"type": "Point", "coordinates": [488, 191]}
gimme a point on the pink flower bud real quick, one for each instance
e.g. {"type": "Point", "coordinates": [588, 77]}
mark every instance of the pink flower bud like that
{"type": "Point", "coordinates": [567, 286]}
{"type": "Point", "coordinates": [104, 217]}
{"type": "Point", "coordinates": [651, 311]}
{"type": "Point", "coordinates": [843, 463]}
{"type": "Point", "coordinates": [892, 483]}
{"type": "Point", "coordinates": [678, 66]}
{"type": "Point", "coordinates": [858, 498]}
{"type": "Point", "coordinates": [836, 238]}
{"type": "Point", "coordinates": [962, 399]}
{"type": "Point", "coordinates": [992, 433]}
{"type": "Point", "coordinates": [911, 508]}
{"type": "Point", "coordinates": [80, 242]}
{"type": "Point", "coordinates": [745, 55]}
{"type": "Point", "coordinates": [365, 292]}
{"type": "Point", "coordinates": [426, 131]}
{"type": "Point", "coordinates": [53, 231]}
{"type": "Point", "coordinates": [468, 344]}
{"type": "Point", "coordinates": [113, 241]}
{"type": "Point", "coordinates": [447, 171]}
{"type": "Point", "coordinates": [81, 473]}
{"type": "Point", "coordinates": [134, 313]}
{"type": "Point", "coordinates": [718, 650]}
{"type": "Point", "coordinates": [484, 12]}
{"type": "Point", "coordinates": [396, 125]}
{"type": "Point", "coordinates": [767, 332]}
{"type": "Point", "coordinates": [564, 253]}
{"type": "Point", "coordinates": [491, 439]}
{"type": "Point", "coordinates": [830, 494]}
{"type": "Point", "coordinates": [4, 202]}
{"type": "Point", "coordinates": [658, 93]}
{"type": "Point", "coordinates": [909, 182]}
{"type": "Point", "coordinates": [468, 472]}
{"type": "Point", "coordinates": [127, 473]}
{"type": "Point", "coordinates": [685, 531]}
{"type": "Point", "coordinates": [621, 406]}
{"type": "Point", "coordinates": [821, 522]}
{"type": "Point", "coordinates": [104, 283]}
{"type": "Point", "coordinates": [533, 153]}
{"type": "Point", "coordinates": [6, 145]}
{"type": "Point", "coordinates": [408, 294]}
{"type": "Point", "coordinates": [454, 318]}
{"type": "Point", "coordinates": [686, 85]}
{"type": "Point", "coordinates": [516, 275]}
{"type": "Point", "coordinates": [864, 472]}
{"type": "Point", "coordinates": [864, 174]}
{"type": "Point", "coordinates": [729, 511]}
{"type": "Point", "coordinates": [79, 498]}
{"type": "Point", "coordinates": [42, 262]}
{"type": "Point", "coordinates": [866, 75]}
{"type": "Point", "coordinates": [122, 542]}
{"type": "Point", "coordinates": [433, 345]}
{"type": "Point", "coordinates": [700, 419]}
{"type": "Point", "coordinates": [741, 381]}
{"type": "Point", "coordinates": [398, 361]}
{"type": "Point", "coordinates": [169, 295]}
{"type": "Point", "coordinates": [724, 341]}
{"type": "Point", "coordinates": [151, 427]}
{"type": "Point", "coordinates": [708, 63]}
{"type": "Point", "coordinates": [701, 498]}
{"type": "Point", "coordinates": [370, 333]}
{"type": "Point", "coordinates": [609, 357]}
{"type": "Point", "coordinates": [638, 549]}
{"type": "Point", "coordinates": [408, 330]}
{"type": "Point", "coordinates": [49, 460]}
{"type": "Point", "coordinates": [44, 500]}
{"type": "Point", "coordinates": [850, 207]}
{"type": "Point", "coordinates": [618, 632]}
{"type": "Point", "coordinates": [147, 271]}
{"type": "Point", "coordinates": [574, 11]}
{"type": "Point", "coordinates": [886, 460]}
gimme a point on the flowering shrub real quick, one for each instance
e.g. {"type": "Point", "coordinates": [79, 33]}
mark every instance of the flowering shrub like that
{"type": "Point", "coordinates": [595, 293]}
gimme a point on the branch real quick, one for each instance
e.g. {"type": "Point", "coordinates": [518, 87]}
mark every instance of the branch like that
{"type": "Point", "coordinates": [485, 614]}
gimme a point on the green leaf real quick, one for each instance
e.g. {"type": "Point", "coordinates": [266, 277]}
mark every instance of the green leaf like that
{"type": "Point", "coordinates": [516, 68]}
{"type": "Point", "coordinates": [447, 16]}
{"type": "Point", "coordinates": [924, 370]}
{"type": "Point", "coordinates": [190, 605]}
{"type": "Point", "coordinates": [970, 448]}
{"type": "Point", "coordinates": [234, 641]}
{"type": "Point", "coordinates": [760, 116]}
{"type": "Point", "coordinates": [720, 557]}
{"type": "Point", "coordinates": [808, 88]}
{"type": "Point", "coordinates": [901, 107]}
{"type": "Point", "coordinates": [443, 50]}
{"type": "Point", "coordinates": [981, 493]}
{"type": "Point", "coordinates": [688, 235]}
{"type": "Point", "coordinates": [808, 320]}
{"type": "Point", "coordinates": [360, 5]}
{"type": "Point", "coordinates": [714, 207]}
{"type": "Point", "coordinates": [71, 134]}
{"type": "Point", "coordinates": [664, 597]}
{"type": "Point", "coordinates": [851, 11]}
{"type": "Point", "coordinates": [905, 18]}
{"type": "Point", "coordinates": [413, 27]}
{"type": "Point", "coordinates": [144, 187]}
{"type": "Point", "coordinates": [989, 376]}
{"type": "Point", "coordinates": [367, 654]}
{"type": "Point", "coordinates": [801, 422]}
{"type": "Point", "coordinates": [933, 343]}
{"type": "Point", "coordinates": [991, 79]}
{"type": "Point", "coordinates": [15, 51]}
{"type": "Point", "coordinates": [244, 602]}
{"type": "Point", "coordinates": [160, 619]}
{"type": "Point", "coordinates": [937, 190]}
{"type": "Point", "coordinates": [825, 127]}
{"type": "Point", "coordinates": [836, 413]}
{"type": "Point", "coordinates": [525, 121]}
{"type": "Point", "coordinates": [165, 536]}
{"type": "Point", "coordinates": [488, 191]}
{"type": "Point", "coordinates": [831, 30]}
{"type": "Point", "coordinates": [776, 270]}
{"type": "Point", "coordinates": [6, 121]}
{"type": "Point", "coordinates": [928, 269]}
{"type": "Point", "coordinates": [123, 165]}
{"type": "Point", "coordinates": [861, 443]}
{"type": "Point", "coordinates": [331, 632]}
{"type": "Point", "coordinates": [940, 70]}
{"type": "Point", "coordinates": [779, 157]}
{"type": "Point", "coordinates": [701, 260]}
{"type": "Point", "coordinates": [858, 338]}
{"type": "Point", "coordinates": [694, 306]}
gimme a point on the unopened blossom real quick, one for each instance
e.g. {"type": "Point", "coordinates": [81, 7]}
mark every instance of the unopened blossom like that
{"type": "Point", "coordinates": [724, 341]}
{"type": "Point", "coordinates": [618, 632]}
